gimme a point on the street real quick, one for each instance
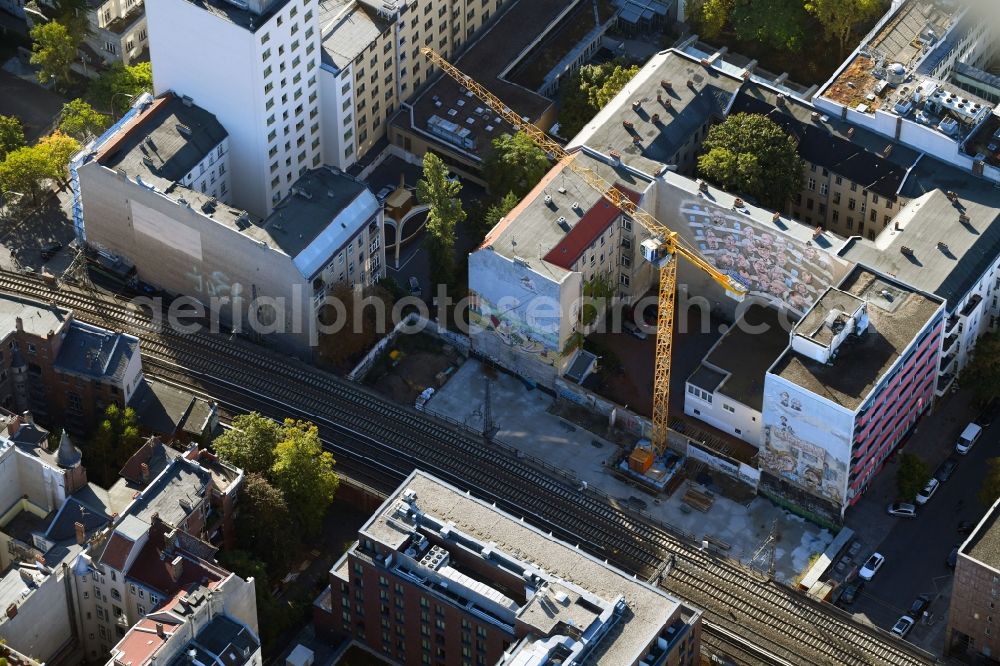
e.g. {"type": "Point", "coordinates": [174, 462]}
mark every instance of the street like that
{"type": "Point", "coordinates": [916, 549]}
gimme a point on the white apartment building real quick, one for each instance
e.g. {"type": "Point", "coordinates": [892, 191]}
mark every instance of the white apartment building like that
{"type": "Point", "coordinates": [254, 65]}
{"type": "Point", "coordinates": [371, 62]}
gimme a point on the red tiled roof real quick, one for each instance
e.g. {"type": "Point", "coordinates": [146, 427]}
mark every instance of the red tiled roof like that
{"type": "Point", "coordinates": [141, 642]}
{"type": "Point", "coordinates": [587, 230]}
{"type": "Point", "coordinates": [153, 572]}
{"type": "Point", "coordinates": [116, 552]}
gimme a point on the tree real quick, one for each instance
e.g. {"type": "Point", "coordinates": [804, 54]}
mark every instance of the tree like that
{"type": "Point", "coordinates": [911, 476]}
{"type": "Point", "coordinates": [515, 165]}
{"type": "Point", "coordinates": [53, 51]}
{"type": "Point", "coordinates": [441, 195]}
{"type": "Point", "coordinates": [838, 17]}
{"type": "Point", "coordinates": [113, 443]}
{"type": "Point", "coordinates": [496, 212]}
{"type": "Point", "coordinates": [751, 154]}
{"type": "Point", "coordinates": [57, 150]}
{"type": "Point", "coordinates": [250, 443]}
{"type": "Point", "coordinates": [11, 135]}
{"type": "Point", "coordinates": [265, 524]}
{"type": "Point", "coordinates": [120, 82]}
{"type": "Point", "coordinates": [304, 473]}
{"type": "Point", "coordinates": [982, 375]}
{"type": "Point", "coordinates": [780, 24]}
{"type": "Point", "coordinates": [990, 490]}
{"type": "Point", "coordinates": [588, 90]}
{"type": "Point", "coordinates": [25, 171]}
{"type": "Point", "coordinates": [79, 119]}
{"type": "Point", "coordinates": [711, 16]}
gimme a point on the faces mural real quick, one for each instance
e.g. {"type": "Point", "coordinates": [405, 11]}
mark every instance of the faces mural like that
{"type": "Point", "coordinates": [770, 264]}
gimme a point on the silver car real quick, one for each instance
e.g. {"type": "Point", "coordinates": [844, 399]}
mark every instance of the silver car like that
{"type": "Point", "coordinates": [902, 510]}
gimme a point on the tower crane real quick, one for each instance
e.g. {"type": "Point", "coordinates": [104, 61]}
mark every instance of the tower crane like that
{"type": "Point", "coordinates": [661, 250]}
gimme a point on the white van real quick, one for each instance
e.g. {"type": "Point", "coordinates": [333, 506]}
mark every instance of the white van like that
{"type": "Point", "coordinates": [968, 438]}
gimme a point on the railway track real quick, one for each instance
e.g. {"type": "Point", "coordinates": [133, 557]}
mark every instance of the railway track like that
{"type": "Point", "coordinates": [747, 617]}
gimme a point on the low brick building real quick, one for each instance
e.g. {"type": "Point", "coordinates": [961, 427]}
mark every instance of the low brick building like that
{"type": "Point", "coordinates": [974, 617]}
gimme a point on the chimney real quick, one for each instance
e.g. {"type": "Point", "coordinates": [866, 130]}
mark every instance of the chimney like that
{"type": "Point", "coordinates": [781, 101]}
{"type": "Point", "coordinates": [19, 325]}
{"type": "Point", "coordinates": [176, 568]}
{"type": "Point", "coordinates": [159, 630]}
{"type": "Point", "coordinates": [144, 472]}
{"type": "Point", "coordinates": [776, 217]}
{"type": "Point", "coordinates": [850, 132]}
{"type": "Point", "coordinates": [907, 251]}
{"type": "Point", "coordinates": [28, 418]}
{"type": "Point", "coordinates": [738, 203]}
{"type": "Point", "coordinates": [81, 534]}
{"type": "Point", "coordinates": [13, 425]}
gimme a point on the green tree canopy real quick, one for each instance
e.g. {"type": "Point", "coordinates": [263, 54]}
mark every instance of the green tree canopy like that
{"type": "Point", "coordinates": [838, 17]}
{"type": "Point", "coordinates": [780, 24]}
{"type": "Point", "coordinates": [249, 443]}
{"type": "Point", "coordinates": [989, 492]}
{"type": "Point", "coordinates": [11, 135]}
{"type": "Point", "coordinates": [27, 169]}
{"type": "Point", "coordinates": [587, 91]}
{"type": "Point", "coordinates": [982, 375]}
{"type": "Point", "coordinates": [709, 17]}
{"type": "Point", "coordinates": [58, 149]}
{"type": "Point", "coordinates": [304, 473]}
{"type": "Point", "coordinates": [748, 153]}
{"type": "Point", "coordinates": [112, 444]}
{"type": "Point", "coordinates": [120, 82]}
{"type": "Point", "coordinates": [53, 50]}
{"type": "Point", "coordinates": [441, 195]}
{"type": "Point", "coordinates": [515, 165]}
{"type": "Point", "coordinates": [265, 524]}
{"type": "Point", "coordinates": [79, 119]}
{"type": "Point", "coordinates": [496, 212]}
{"type": "Point", "coordinates": [911, 476]}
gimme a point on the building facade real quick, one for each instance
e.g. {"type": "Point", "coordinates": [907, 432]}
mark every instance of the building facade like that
{"type": "Point", "coordinates": [859, 371]}
{"type": "Point", "coordinates": [267, 97]}
{"type": "Point", "coordinates": [421, 589]}
{"type": "Point", "coordinates": [972, 616]}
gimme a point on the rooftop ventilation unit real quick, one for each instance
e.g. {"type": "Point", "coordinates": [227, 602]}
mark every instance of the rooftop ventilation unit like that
{"type": "Point", "coordinates": [186, 99]}
{"type": "Point", "coordinates": [302, 193]}
{"type": "Point", "coordinates": [184, 130]}
{"type": "Point", "coordinates": [942, 246]}
{"type": "Point", "coordinates": [548, 199]}
{"type": "Point", "coordinates": [906, 251]}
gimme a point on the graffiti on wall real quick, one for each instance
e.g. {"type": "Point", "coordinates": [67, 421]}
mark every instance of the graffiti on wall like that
{"type": "Point", "coordinates": [770, 264]}
{"type": "Point", "coordinates": [802, 445]}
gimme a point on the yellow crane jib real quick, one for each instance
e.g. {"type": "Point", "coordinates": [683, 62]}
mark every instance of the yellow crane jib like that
{"type": "Point", "coordinates": [662, 250]}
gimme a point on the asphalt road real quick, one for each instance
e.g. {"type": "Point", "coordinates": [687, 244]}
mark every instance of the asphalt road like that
{"type": "Point", "coordinates": [916, 549]}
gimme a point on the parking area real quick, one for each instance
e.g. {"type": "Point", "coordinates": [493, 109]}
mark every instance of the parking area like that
{"type": "Point", "coordinates": [916, 550]}
{"type": "Point", "coordinates": [523, 419]}
{"type": "Point", "coordinates": [23, 236]}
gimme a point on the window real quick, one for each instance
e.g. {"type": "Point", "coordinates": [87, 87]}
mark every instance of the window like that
{"type": "Point", "coordinates": [110, 47]}
{"type": "Point", "coordinates": [812, 182]}
{"type": "Point", "coordinates": [823, 189]}
{"type": "Point", "coordinates": [701, 394]}
{"type": "Point", "coordinates": [852, 204]}
{"type": "Point", "coordinates": [624, 279]}
{"type": "Point", "coordinates": [265, 38]}
{"type": "Point", "coordinates": [626, 224]}
{"type": "Point", "coordinates": [729, 408]}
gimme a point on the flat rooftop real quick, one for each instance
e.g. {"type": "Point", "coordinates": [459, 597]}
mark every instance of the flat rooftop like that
{"type": "Point", "coordinates": [737, 363]}
{"type": "Point", "coordinates": [163, 142]}
{"type": "Point", "coordinates": [833, 302]}
{"type": "Point", "coordinates": [506, 37]}
{"type": "Point", "coordinates": [905, 39]}
{"type": "Point", "coordinates": [949, 253]}
{"type": "Point", "coordinates": [896, 316]}
{"type": "Point", "coordinates": [321, 204]}
{"type": "Point", "coordinates": [549, 236]}
{"type": "Point", "coordinates": [36, 318]}
{"type": "Point", "coordinates": [348, 28]}
{"type": "Point", "coordinates": [677, 95]}
{"type": "Point", "coordinates": [983, 544]}
{"type": "Point", "coordinates": [571, 586]}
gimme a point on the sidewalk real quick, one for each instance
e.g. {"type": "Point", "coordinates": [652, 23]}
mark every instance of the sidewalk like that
{"type": "Point", "coordinates": [933, 441]}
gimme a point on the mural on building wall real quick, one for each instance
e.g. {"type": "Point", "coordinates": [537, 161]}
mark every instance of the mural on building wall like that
{"type": "Point", "coordinates": [771, 264]}
{"type": "Point", "coordinates": [801, 442]}
{"type": "Point", "coordinates": [514, 308]}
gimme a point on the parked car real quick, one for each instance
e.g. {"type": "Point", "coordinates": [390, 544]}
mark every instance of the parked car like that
{"type": "Point", "coordinates": [872, 566]}
{"type": "Point", "coordinates": [967, 439]}
{"type": "Point", "coordinates": [946, 469]}
{"type": "Point", "coordinates": [928, 492]}
{"type": "Point", "coordinates": [903, 626]}
{"type": "Point", "coordinates": [851, 592]}
{"type": "Point", "coordinates": [49, 249]}
{"type": "Point", "coordinates": [632, 329]}
{"type": "Point", "coordinates": [415, 289]}
{"type": "Point", "coordinates": [952, 558]}
{"type": "Point", "coordinates": [902, 510]}
{"type": "Point", "coordinates": [919, 605]}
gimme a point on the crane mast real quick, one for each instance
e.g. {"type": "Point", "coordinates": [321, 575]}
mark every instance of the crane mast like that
{"type": "Point", "coordinates": [662, 250]}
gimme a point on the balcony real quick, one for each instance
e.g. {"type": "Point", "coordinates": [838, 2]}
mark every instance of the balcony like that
{"type": "Point", "coordinates": [971, 306]}
{"type": "Point", "coordinates": [948, 342]}
{"type": "Point", "coordinates": [122, 25]}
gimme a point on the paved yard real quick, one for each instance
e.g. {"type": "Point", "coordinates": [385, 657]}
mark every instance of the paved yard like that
{"type": "Point", "coordinates": [523, 421]}
{"type": "Point", "coordinates": [35, 106]}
